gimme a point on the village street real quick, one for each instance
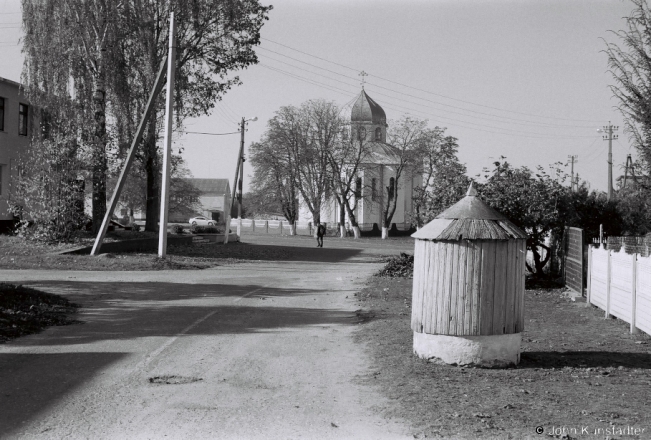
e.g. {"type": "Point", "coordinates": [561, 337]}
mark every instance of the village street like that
{"type": "Point", "coordinates": [262, 350]}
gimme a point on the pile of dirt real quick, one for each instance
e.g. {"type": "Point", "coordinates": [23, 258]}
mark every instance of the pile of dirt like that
{"type": "Point", "coordinates": [398, 266]}
{"type": "Point", "coordinates": [577, 370]}
{"type": "Point", "coordinates": [25, 311]}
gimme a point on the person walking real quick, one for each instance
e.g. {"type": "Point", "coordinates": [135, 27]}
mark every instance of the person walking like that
{"type": "Point", "coordinates": [320, 232]}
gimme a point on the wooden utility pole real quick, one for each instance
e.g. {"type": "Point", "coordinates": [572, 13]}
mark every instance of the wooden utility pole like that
{"type": "Point", "coordinates": [609, 137]}
{"type": "Point", "coordinates": [167, 145]}
{"type": "Point", "coordinates": [150, 107]}
{"type": "Point", "coordinates": [629, 163]}
{"type": "Point", "coordinates": [573, 159]}
{"type": "Point", "coordinates": [237, 183]}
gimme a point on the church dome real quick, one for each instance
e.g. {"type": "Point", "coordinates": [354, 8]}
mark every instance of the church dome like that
{"type": "Point", "coordinates": [366, 110]}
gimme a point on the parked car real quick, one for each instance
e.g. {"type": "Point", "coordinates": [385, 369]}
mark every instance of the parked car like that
{"type": "Point", "coordinates": [201, 221]}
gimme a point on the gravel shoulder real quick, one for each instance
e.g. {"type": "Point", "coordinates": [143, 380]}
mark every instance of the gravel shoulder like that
{"type": "Point", "coordinates": [581, 376]}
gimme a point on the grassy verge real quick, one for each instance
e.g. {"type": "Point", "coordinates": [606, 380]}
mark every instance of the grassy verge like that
{"type": "Point", "coordinates": [579, 373]}
{"type": "Point", "coordinates": [25, 311]}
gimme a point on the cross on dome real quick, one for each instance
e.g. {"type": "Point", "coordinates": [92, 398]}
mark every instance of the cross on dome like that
{"type": "Point", "coordinates": [363, 75]}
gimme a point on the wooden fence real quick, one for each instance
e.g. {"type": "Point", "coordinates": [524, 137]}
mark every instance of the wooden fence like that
{"type": "Point", "coordinates": [620, 284]}
{"type": "Point", "coordinates": [573, 255]}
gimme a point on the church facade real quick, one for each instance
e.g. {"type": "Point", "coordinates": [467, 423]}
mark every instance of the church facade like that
{"type": "Point", "coordinates": [376, 177]}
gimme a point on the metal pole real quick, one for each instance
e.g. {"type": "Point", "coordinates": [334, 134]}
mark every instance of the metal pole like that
{"type": "Point", "coordinates": [610, 162]}
{"type": "Point", "coordinates": [167, 153]}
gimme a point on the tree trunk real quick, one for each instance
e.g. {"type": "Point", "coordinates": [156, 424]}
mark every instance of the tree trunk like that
{"type": "Point", "coordinates": [99, 154]}
{"type": "Point", "coordinates": [152, 168]}
{"type": "Point", "coordinates": [356, 231]}
{"type": "Point", "coordinates": [292, 228]}
{"type": "Point", "coordinates": [385, 232]}
{"type": "Point", "coordinates": [342, 230]}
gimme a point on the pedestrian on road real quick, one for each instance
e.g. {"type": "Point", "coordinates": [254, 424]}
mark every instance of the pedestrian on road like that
{"type": "Point", "coordinates": [320, 232]}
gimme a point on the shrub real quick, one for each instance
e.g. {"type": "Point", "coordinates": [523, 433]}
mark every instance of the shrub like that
{"type": "Point", "coordinates": [204, 230]}
{"type": "Point", "coordinates": [177, 229]}
{"type": "Point", "coordinates": [135, 227]}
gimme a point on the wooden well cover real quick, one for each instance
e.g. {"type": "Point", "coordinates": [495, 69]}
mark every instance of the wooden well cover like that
{"type": "Point", "coordinates": [469, 267]}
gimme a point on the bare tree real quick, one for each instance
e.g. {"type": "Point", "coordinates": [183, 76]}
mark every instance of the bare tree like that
{"type": "Point", "coordinates": [408, 138]}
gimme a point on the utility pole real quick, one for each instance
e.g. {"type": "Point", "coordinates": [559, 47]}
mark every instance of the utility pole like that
{"type": "Point", "coordinates": [237, 183]}
{"type": "Point", "coordinates": [167, 144]}
{"type": "Point", "coordinates": [609, 136]}
{"type": "Point", "coordinates": [573, 159]}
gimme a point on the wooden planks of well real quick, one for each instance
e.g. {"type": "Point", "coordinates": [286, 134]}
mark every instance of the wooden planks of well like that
{"type": "Point", "coordinates": [468, 287]}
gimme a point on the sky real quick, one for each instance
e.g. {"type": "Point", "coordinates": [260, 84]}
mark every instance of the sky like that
{"type": "Point", "coordinates": [524, 79]}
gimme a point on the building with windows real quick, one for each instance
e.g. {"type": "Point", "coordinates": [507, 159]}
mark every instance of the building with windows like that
{"type": "Point", "coordinates": [376, 178]}
{"type": "Point", "coordinates": [15, 131]}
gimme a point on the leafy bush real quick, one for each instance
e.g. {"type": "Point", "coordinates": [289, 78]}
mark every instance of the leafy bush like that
{"type": "Point", "coordinates": [204, 230]}
{"type": "Point", "coordinates": [398, 267]}
{"type": "Point", "coordinates": [135, 227]}
{"type": "Point", "coordinates": [177, 229]}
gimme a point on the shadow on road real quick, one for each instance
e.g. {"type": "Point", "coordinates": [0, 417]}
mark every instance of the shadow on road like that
{"type": "Point", "coordinates": [120, 311]}
{"type": "Point", "coordinates": [31, 383]}
{"type": "Point", "coordinates": [584, 359]}
{"type": "Point", "coordinates": [301, 251]}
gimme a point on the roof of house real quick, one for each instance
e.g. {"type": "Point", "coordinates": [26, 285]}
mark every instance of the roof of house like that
{"type": "Point", "coordinates": [472, 219]}
{"type": "Point", "coordinates": [216, 187]}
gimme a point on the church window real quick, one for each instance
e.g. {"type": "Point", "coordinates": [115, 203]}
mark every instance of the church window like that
{"type": "Point", "coordinates": [358, 188]}
{"type": "Point", "coordinates": [344, 134]}
{"type": "Point", "coordinates": [373, 189]}
{"type": "Point", "coordinates": [391, 188]}
{"type": "Point", "coordinates": [361, 133]}
{"type": "Point", "coordinates": [378, 134]}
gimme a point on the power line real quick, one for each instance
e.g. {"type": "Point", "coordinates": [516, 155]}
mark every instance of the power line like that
{"type": "Point", "coordinates": [411, 110]}
{"type": "Point", "coordinates": [530, 123]}
{"type": "Point", "coordinates": [427, 91]}
{"type": "Point", "coordinates": [211, 134]}
{"type": "Point", "coordinates": [511, 120]}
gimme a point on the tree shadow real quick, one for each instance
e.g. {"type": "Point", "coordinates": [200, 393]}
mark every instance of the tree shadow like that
{"type": "Point", "coordinates": [30, 383]}
{"type": "Point", "coordinates": [264, 252]}
{"type": "Point", "coordinates": [584, 359]}
{"type": "Point", "coordinates": [122, 311]}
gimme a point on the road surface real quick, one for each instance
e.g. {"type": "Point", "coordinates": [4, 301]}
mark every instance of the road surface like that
{"type": "Point", "coordinates": [254, 350]}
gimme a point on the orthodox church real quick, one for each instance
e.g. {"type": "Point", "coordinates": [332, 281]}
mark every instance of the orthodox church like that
{"type": "Point", "coordinates": [376, 176]}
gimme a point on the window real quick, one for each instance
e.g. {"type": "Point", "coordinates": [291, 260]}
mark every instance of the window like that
{"type": "Point", "coordinates": [373, 189]}
{"type": "Point", "coordinates": [358, 187]}
{"type": "Point", "coordinates": [2, 168]}
{"type": "Point", "coordinates": [391, 187]}
{"type": "Point", "coordinates": [361, 134]}
{"type": "Point", "coordinates": [22, 119]}
{"type": "Point", "coordinates": [378, 134]}
{"type": "Point", "coordinates": [2, 114]}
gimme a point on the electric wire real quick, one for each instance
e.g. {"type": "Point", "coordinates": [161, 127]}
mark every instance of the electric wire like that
{"type": "Point", "coordinates": [430, 92]}
{"type": "Point", "coordinates": [511, 120]}
{"type": "Point", "coordinates": [455, 121]}
{"type": "Point", "coordinates": [424, 105]}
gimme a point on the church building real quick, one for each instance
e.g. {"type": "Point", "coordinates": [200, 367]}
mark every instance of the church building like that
{"type": "Point", "coordinates": [377, 174]}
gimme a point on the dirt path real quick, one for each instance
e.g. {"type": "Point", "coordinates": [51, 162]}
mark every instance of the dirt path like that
{"type": "Point", "coordinates": [266, 349]}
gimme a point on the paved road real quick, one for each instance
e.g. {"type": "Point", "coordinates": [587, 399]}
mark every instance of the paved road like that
{"type": "Point", "coordinates": [266, 349]}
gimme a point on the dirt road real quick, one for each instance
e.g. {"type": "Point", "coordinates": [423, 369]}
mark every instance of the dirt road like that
{"type": "Point", "coordinates": [256, 350]}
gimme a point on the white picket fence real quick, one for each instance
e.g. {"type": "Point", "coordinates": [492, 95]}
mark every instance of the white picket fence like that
{"type": "Point", "coordinates": [620, 285]}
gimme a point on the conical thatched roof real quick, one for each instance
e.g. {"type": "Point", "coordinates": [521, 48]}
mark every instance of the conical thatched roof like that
{"type": "Point", "coordinates": [472, 219]}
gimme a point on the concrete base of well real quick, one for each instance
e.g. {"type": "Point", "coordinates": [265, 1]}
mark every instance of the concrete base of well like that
{"type": "Point", "coordinates": [481, 351]}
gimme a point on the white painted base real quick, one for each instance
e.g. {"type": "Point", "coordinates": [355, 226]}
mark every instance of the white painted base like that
{"type": "Point", "coordinates": [481, 351]}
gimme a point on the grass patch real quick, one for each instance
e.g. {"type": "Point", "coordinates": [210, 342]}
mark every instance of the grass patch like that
{"type": "Point", "coordinates": [24, 311]}
{"type": "Point", "coordinates": [577, 369]}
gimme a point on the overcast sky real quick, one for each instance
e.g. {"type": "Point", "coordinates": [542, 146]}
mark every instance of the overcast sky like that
{"type": "Point", "coordinates": [525, 79]}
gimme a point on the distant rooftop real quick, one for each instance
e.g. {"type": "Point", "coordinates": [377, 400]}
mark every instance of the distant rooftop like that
{"type": "Point", "coordinates": [216, 187]}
